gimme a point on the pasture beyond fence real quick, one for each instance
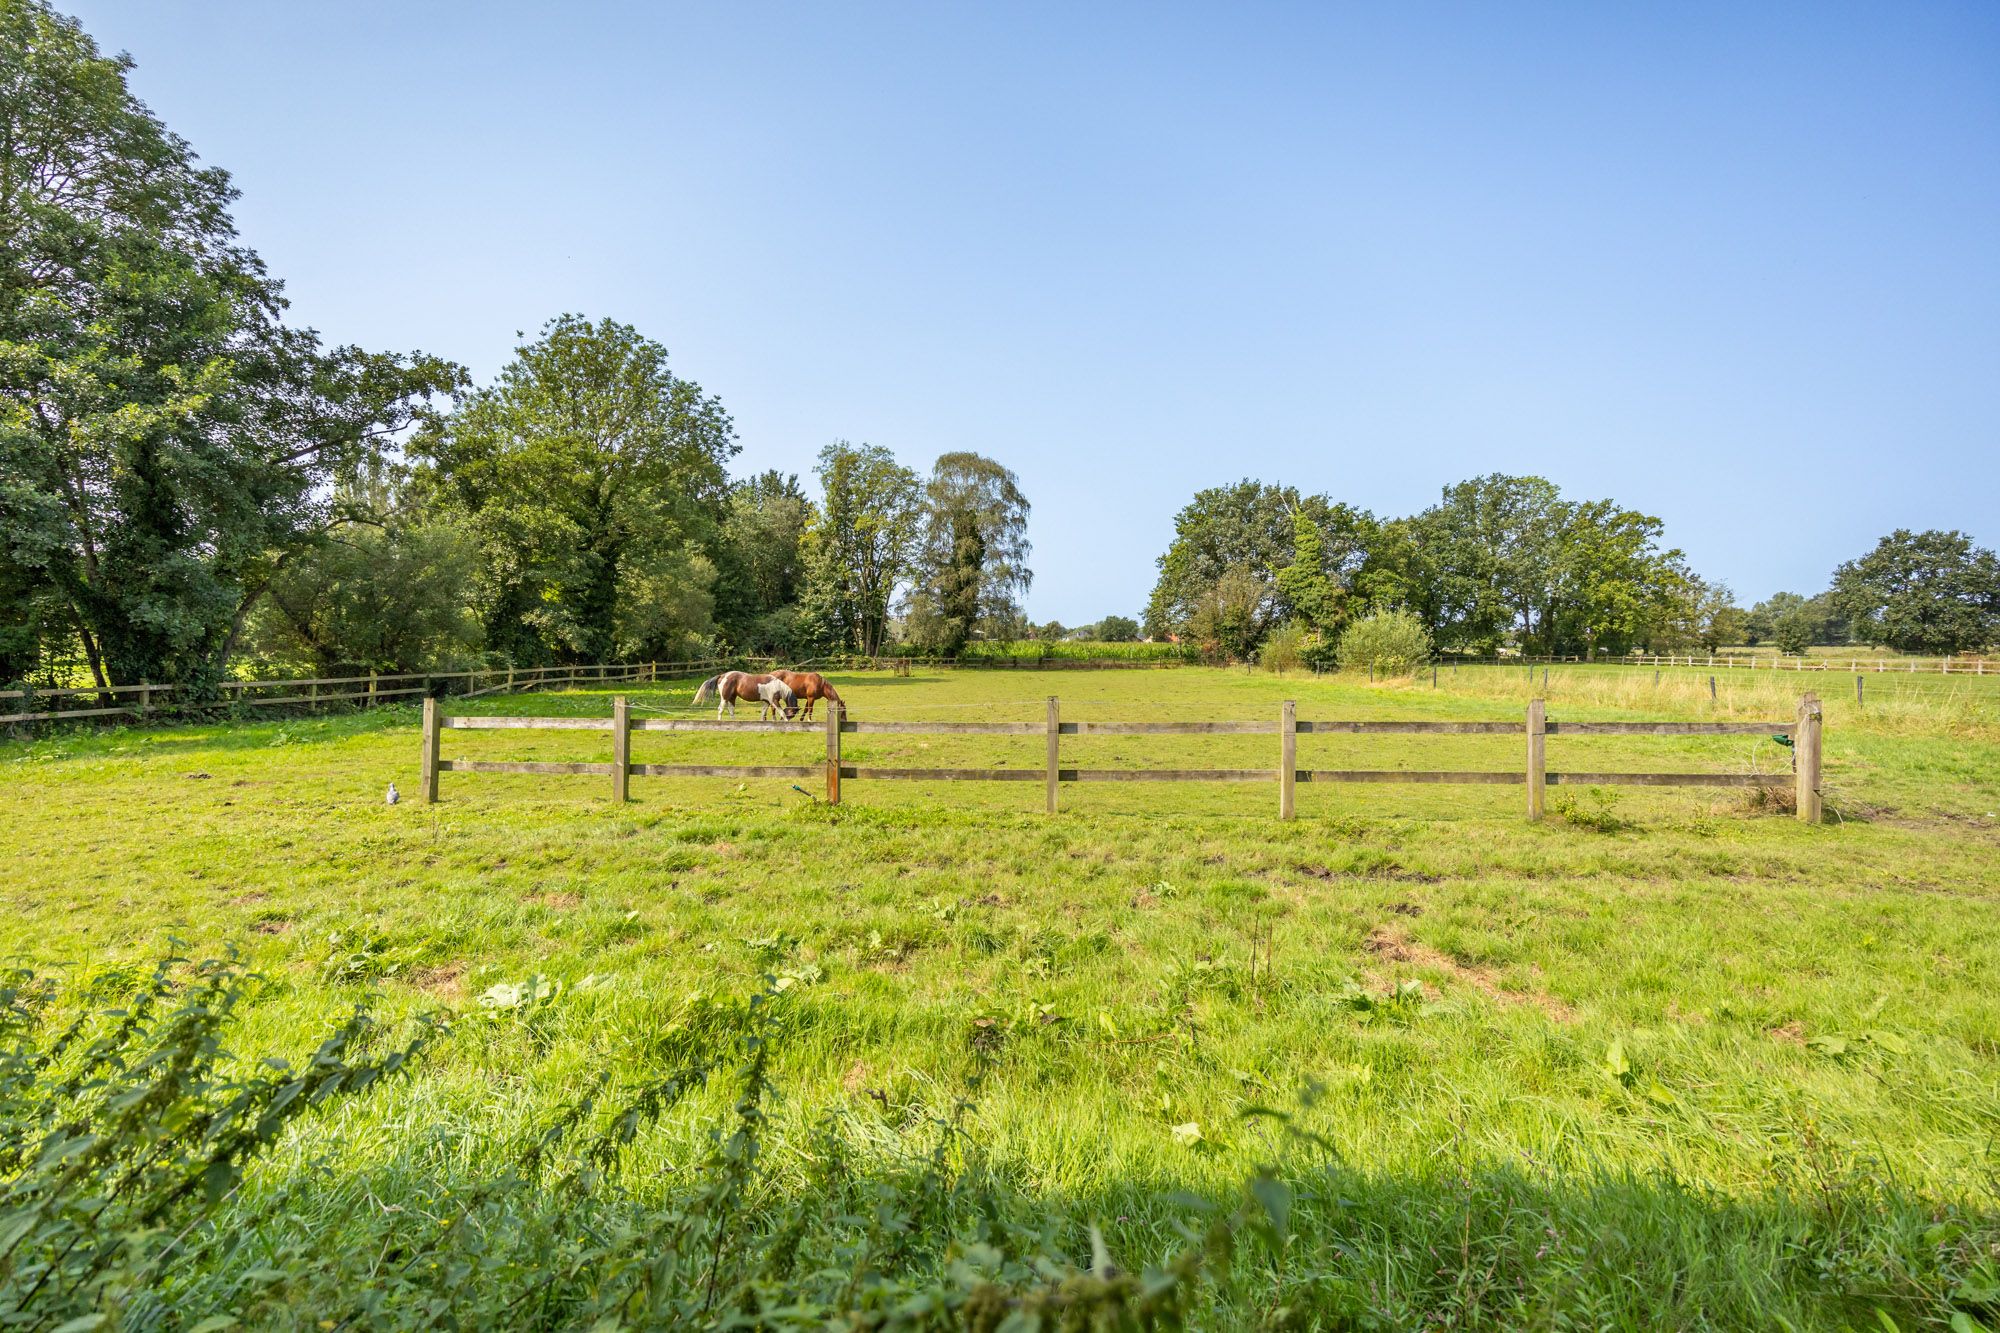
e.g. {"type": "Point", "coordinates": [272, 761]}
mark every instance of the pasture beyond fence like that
{"type": "Point", "coordinates": [1803, 735]}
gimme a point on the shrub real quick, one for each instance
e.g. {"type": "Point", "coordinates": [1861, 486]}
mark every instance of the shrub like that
{"type": "Point", "coordinates": [1319, 651]}
{"type": "Point", "coordinates": [1284, 649]}
{"type": "Point", "coordinates": [1392, 643]}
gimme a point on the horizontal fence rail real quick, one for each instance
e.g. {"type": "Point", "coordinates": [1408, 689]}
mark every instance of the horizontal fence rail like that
{"type": "Point", "coordinates": [1803, 734]}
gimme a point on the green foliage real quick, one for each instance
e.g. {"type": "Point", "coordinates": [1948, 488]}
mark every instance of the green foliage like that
{"type": "Point", "coordinates": [165, 439]}
{"type": "Point", "coordinates": [1116, 629]}
{"type": "Point", "coordinates": [1075, 650]}
{"type": "Point", "coordinates": [124, 1133]}
{"type": "Point", "coordinates": [861, 546]}
{"type": "Point", "coordinates": [1592, 808]}
{"type": "Point", "coordinates": [1311, 598]}
{"type": "Point", "coordinates": [1391, 643]}
{"type": "Point", "coordinates": [591, 478]}
{"type": "Point", "coordinates": [761, 566]}
{"type": "Point", "coordinates": [1229, 544]}
{"type": "Point", "coordinates": [1502, 557]}
{"type": "Point", "coordinates": [1923, 592]}
{"type": "Point", "coordinates": [970, 569]}
{"type": "Point", "coordinates": [1284, 648]}
{"type": "Point", "coordinates": [385, 591]}
{"type": "Point", "coordinates": [128, 1136]}
{"type": "Point", "coordinates": [1226, 622]}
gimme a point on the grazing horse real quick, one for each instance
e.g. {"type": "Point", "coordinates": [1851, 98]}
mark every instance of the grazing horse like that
{"type": "Point", "coordinates": [734, 686]}
{"type": "Point", "coordinates": [809, 686]}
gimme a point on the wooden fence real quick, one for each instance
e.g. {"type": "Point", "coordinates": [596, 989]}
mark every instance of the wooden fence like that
{"type": "Point", "coordinates": [1803, 734]}
{"type": "Point", "coordinates": [148, 702]}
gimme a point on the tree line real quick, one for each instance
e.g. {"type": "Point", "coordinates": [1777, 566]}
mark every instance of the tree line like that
{"type": "Point", "coordinates": [1509, 561]}
{"type": "Point", "coordinates": [187, 480]}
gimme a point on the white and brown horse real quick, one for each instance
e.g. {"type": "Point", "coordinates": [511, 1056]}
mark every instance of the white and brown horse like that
{"type": "Point", "coordinates": [742, 686]}
{"type": "Point", "coordinates": [809, 686]}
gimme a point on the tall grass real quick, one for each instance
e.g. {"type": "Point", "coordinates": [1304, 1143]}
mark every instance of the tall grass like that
{"type": "Point", "coordinates": [1966, 707]}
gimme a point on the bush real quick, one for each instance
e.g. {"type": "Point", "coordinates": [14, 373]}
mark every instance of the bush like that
{"type": "Point", "coordinates": [1391, 643]}
{"type": "Point", "coordinates": [1284, 649]}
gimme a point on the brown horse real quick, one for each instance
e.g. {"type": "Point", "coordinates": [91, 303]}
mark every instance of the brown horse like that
{"type": "Point", "coordinates": [809, 686]}
{"type": "Point", "coordinates": [733, 687]}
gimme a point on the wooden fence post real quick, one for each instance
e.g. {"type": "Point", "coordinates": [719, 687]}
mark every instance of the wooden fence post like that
{"type": "Point", "coordinates": [834, 713]}
{"type": "Point", "coordinates": [374, 682]}
{"type": "Point", "coordinates": [430, 769]}
{"type": "Point", "coordinates": [1806, 758]}
{"type": "Point", "coordinates": [1055, 751]}
{"type": "Point", "coordinates": [145, 699]}
{"type": "Point", "coordinates": [1288, 757]}
{"type": "Point", "coordinates": [1537, 755]}
{"type": "Point", "coordinates": [621, 747]}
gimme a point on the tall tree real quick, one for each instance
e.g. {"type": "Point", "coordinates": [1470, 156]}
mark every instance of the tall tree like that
{"type": "Point", "coordinates": [1246, 530]}
{"type": "Point", "coordinates": [972, 556]}
{"type": "Point", "coordinates": [592, 477]}
{"type": "Point", "coordinates": [761, 564]}
{"type": "Point", "coordinates": [1922, 592]}
{"type": "Point", "coordinates": [1313, 599]}
{"type": "Point", "coordinates": [166, 442]}
{"type": "Point", "coordinates": [862, 544]}
{"type": "Point", "coordinates": [388, 590]}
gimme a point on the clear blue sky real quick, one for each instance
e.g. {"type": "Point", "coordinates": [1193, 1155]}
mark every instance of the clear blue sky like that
{"type": "Point", "coordinates": [1735, 265]}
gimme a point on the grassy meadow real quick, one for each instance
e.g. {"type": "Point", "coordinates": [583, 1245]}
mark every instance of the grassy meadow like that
{"type": "Point", "coordinates": [1666, 1059]}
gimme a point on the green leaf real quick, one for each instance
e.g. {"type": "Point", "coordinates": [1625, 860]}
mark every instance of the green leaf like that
{"type": "Point", "coordinates": [1276, 1197]}
{"type": "Point", "coordinates": [1889, 1041]}
{"type": "Point", "coordinates": [1188, 1134]}
{"type": "Point", "coordinates": [1616, 1067]}
{"type": "Point", "coordinates": [216, 1180]}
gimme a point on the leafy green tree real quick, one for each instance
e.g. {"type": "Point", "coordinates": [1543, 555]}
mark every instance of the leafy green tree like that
{"type": "Point", "coordinates": [761, 566]}
{"type": "Point", "coordinates": [1610, 579]}
{"type": "Point", "coordinates": [862, 544]}
{"type": "Point", "coordinates": [592, 478]}
{"type": "Point", "coordinates": [385, 591]}
{"type": "Point", "coordinates": [971, 566]}
{"type": "Point", "coordinates": [1225, 621]}
{"type": "Point", "coordinates": [1922, 592]}
{"type": "Point", "coordinates": [166, 442]}
{"type": "Point", "coordinates": [1761, 621]}
{"type": "Point", "coordinates": [1313, 600]}
{"type": "Point", "coordinates": [1247, 531]}
{"type": "Point", "coordinates": [1117, 629]}
{"type": "Point", "coordinates": [1796, 629]}
{"type": "Point", "coordinates": [1720, 622]}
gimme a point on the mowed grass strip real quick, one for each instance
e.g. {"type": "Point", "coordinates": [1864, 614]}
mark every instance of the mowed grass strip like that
{"type": "Point", "coordinates": [1657, 984]}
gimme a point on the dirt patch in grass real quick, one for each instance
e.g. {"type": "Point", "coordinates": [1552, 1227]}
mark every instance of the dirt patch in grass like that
{"type": "Point", "coordinates": [1390, 943]}
{"type": "Point", "coordinates": [249, 899]}
{"type": "Point", "coordinates": [1792, 1033]}
{"type": "Point", "coordinates": [445, 981]}
{"type": "Point", "coordinates": [275, 925]}
{"type": "Point", "coordinates": [559, 902]}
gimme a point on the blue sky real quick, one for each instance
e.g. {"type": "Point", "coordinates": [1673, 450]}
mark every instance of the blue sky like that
{"type": "Point", "coordinates": [1734, 265]}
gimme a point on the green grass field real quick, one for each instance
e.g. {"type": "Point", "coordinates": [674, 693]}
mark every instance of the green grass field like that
{"type": "Point", "coordinates": [1663, 1060]}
